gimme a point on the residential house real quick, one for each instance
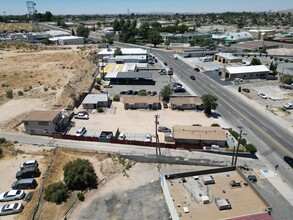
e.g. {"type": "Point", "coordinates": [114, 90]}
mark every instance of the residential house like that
{"type": "Point", "coordinates": [199, 135]}
{"type": "Point", "coordinates": [142, 102]}
{"type": "Point", "coordinates": [45, 122]}
{"type": "Point", "coordinates": [185, 102]}
{"type": "Point", "coordinates": [94, 101]}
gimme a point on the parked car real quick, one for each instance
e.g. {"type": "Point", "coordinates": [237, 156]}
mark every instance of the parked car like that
{"type": "Point", "coordinates": [135, 92]}
{"type": "Point", "coordinates": [262, 95]}
{"type": "Point", "coordinates": [288, 105]}
{"type": "Point", "coordinates": [29, 163]}
{"type": "Point", "coordinates": [9, 209]}
{"type": "Point", "coordinates": [82, 115]}
{"type": "Point", "coordinates": [24, 184]}
{"type": "Point", "coordinates": [121, 136]}
{"type": "Point", "coordinates": [122, 92]}
{"type": "Point", "coordinates": [192, 77]}
{"type": "Point", "coordinates": [80, 132]}
{"type": "Point", "coordinates": [252, 178]}
{"type": "Point", "coordinates": [148, 138]}
{"type": "Point", "coordinates": [270, 77]}
{"type": "Point", "coordinates": [129, 92]}
{"type": "Point", "coordinates": [179, 90]}
{"type": "Point", "coordinates": [12, 195]}
{"type": "Point", "coordinates": [165, 63]}
{"type": "Point", "coordinates": [153, 93]}
{"type": "Point", "coordinates": [246, 90]}
{"type": "Point", "coordinates": [164, 129]}
{"type": "Point", "coordinates": [165, 104]}
{"type": "Point", "coordinates": [151, 62]}
{"type": "Point", "coordinates": [28, 172]}
{"type": "Point", "coordinates": [289, 160]}
{"type": "Point", "coordinates": [163, 72]}
{"type": "Point", "coordinates": [176, 85]}
{"type": "Point", "coordinates": [196, 69]}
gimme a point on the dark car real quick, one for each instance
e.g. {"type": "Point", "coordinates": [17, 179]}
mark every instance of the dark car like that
{"type": "Point", "coordinates": [129, 92]}
{"type": "Point", "coordinates": [153, 93]}
{"type": "Point", "coordinates": [28, 172]}
{"type": "Point", "coordinates": [246, 90]}
{"type": "Point", "coordinates": [179, 90]}
{"type": "Point", "coordinates": [176, 85]}
{"type": "Point", "coordinates": [122, 92]}
{"type": "Point", "coordinates": [164, 129]}
{"type": "Point", "coordinates": [252, 178]}
{"type": "Point", "coordinates": [165, 104]}
{"type": "Point", "coordinates": [289, 160]}
{"type": "Point", "coordinates": [196, 69]}
{"type": "Point", "coordinates": [135, 92]}
{"type": "Point", "coordinates": [192, 77]}
{"type": "Point", "coordinates": [165, 63]}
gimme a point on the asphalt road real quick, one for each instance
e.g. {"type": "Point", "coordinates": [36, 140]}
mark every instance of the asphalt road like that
{"type": "Point", "coordinates": [272, 140]}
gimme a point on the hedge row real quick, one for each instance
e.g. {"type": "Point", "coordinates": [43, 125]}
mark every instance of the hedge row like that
{"type": "Point", "coordinates": [249, 147]}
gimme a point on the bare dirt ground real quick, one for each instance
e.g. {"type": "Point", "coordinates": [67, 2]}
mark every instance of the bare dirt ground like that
{"type": "Point", "coordinates": [10, 27]}
{"type": "Point", "coordinates": [50, 75]}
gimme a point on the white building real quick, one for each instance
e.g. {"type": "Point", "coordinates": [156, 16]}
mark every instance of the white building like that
{"type": "Point", "coordinates": [68, 40]}
{"type": "Point", "coordinates": [108, 52]}
{"type": "Point", "coordinates": [246, 72]}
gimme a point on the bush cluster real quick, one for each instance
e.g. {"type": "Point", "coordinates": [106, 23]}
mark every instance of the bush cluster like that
{"type": "Point", "coordinates": [249, 147]}
{"type": "Point", "coordinates": [57, 192]}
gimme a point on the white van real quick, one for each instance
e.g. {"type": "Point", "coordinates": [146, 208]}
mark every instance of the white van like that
{"type": "Point", "coordinates": [80, 132]}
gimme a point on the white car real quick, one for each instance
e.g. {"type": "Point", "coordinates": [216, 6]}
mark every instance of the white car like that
{"type": "Point", "coordinates": [29, 163]}
{"type": "Point", "coordinates": [11, 208]}
{"type": "Point", "coordinates": [12, 195]}
{"type": "Point", "coordinates": [288, 105]}
{"type": "Point", "coordinates": [148, 138]}
{"type": "Point", "coordinates": [122, 136]}
{"type": "Point", "coordinates": [82, 115]}
{"type": "Point", "coordinates": [80, 132]}
{"type": "Point", "coordinates": [262, 95]}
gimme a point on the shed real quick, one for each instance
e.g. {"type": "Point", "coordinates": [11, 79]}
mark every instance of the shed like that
{"type": "Point", "coordinates": [205, 199]}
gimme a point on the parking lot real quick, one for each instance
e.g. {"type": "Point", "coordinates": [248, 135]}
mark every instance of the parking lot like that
{"type": "Point", "coordinates": [138, 123]}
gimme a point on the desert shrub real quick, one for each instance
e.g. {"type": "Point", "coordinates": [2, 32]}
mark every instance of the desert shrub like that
{"type": "Point", "coordinates": [215, 125]}
{"type": "Point", "coordinates": [2, 140]}
{"type": "Point", "coordinates": [143, 93]}
{"type": "Point", "coordinates": [98, 80]}
{"type": "Point", "coordinates": [20, 93]}
{"type": "Point", "coordinates": [251, 148]}
{"type": "Point", "coordinates": [1, 152]}
{"type": "Point", "coordinates": [56, 192]}
{"type": "Point", "coordinates": [116, 98]}
{"type": "Point", "coordinates": [9, 93]}
{"type": "Point", "coordinates": [79, 174]}
{"type": "Point", "coordinates": [45, 89]}
{"type": "Point", "coordinates": [80, 196]}
{"type": "Point", "coordinates": [100, 110]}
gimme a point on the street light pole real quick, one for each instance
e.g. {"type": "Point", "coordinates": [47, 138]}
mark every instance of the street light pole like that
{"type": "Point", "coordinates": [158, 149]}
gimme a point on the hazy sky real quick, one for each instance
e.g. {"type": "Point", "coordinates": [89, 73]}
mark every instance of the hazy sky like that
{"type": "Point", "coordinates": [121, 6]}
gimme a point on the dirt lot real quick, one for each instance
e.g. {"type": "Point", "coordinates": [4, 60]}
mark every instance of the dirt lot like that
{"type": "Point", "coordinates": [41, 78]}
{"type": "Point", "coordinates": [11, 27]}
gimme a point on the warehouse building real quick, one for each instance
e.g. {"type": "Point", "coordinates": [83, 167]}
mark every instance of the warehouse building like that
{"type": "Point", "coordinates": [245, 72]}
{"type": "Point", "coordinates": [67, 40]}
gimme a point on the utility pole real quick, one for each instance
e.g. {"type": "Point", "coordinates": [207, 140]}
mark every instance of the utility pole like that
{"type": "Point", "coordinates": [239, 140]}
{"type": "Point", "coordinates": [158, 149]}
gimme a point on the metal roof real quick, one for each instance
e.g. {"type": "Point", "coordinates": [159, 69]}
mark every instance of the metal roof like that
{"type": "Point", "coordinates": [247, 69]}
{"type": "Point", "coordinates": [134, 75]}
{"type": "Point", "coordinates": [199, 133]}
{"type": "Point", "coordinates": [41, 116]}
{"type": "Point", "coordinates": [141, 99]}
{"type": "Point", "coordinates": [183, 100]}
{"type": "Point", "coordinates": [95, 98]}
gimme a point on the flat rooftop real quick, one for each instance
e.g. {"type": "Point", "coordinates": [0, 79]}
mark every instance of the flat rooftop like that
{"type": "Point", "coordinates": [243, 199]}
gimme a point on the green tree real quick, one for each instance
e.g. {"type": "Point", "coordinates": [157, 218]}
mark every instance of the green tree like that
{"type": "Point", "coordinates": [57, 192]}
{"type": "Point", "coordinates": [117, 51]}
{"type": "Point", "coordinates": [79, 174]}
{"type": "Point", "coordinates": [166, 92]}
{"type": "Point", "coordinates": [143, 30]}
{"type": "Point", "coordinates": [143, 93]}
{"type": "Point", "coordinates": [72, 32]}
{"type": "Point", "coordinates": [116, 98]}
{"type": "Point", "coordinates": [209, 102]}
{"type": "Point", "coordinates": [48, 16]}
{"type": "Point", "coordinates": [155, 38]}
{"type": "Point", "coordinates": [116, 25]}
{"type": "Point", "coordinates": [255, 62]}
{"type": "Point", "coordinates": [46, 41]}
{"type": "Point", "coordinates": [82, 31]}
{"type": "Point", "coordinates": [251, 148]}
{"type": "Point", "coordinates": [273, 66]}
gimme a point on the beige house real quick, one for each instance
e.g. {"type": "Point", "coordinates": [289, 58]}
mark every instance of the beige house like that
{"type": "Point", "coordinates": [227, 58]}
{"type": "Point", "coordinates": [246, 72]}
{"type": "Point", "coordinates": [142, 102]}
{"type": "Point", "coordinates": [185, 102]}
{"type": "Point", "coordinates": [44, 122]}
{"type": "Point", "coordinates": [199, 135]}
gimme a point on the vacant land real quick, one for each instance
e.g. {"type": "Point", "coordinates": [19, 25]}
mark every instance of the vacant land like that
{"type": "Point", "coordinates": [53, 76]}
{"type": "Point", "coordinates": [15, 27]}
